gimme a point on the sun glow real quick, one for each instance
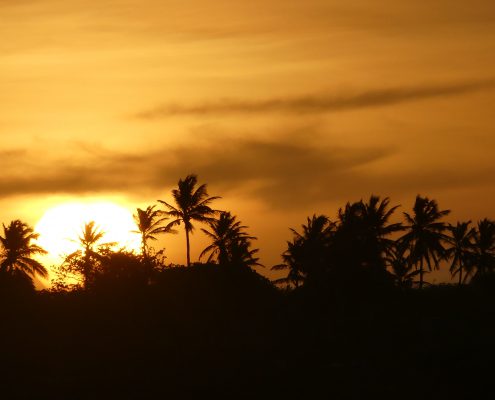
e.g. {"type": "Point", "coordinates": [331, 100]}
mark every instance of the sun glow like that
{"type": "Point", "coordinates": [60, 226]}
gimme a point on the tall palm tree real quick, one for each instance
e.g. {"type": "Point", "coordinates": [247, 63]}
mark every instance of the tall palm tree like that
{"type": "Point", "coordinates": [376, 215]}
{"type": "Point", "coordinates": [425, 234]}
{"type": "Point", "coordinates": [461, 248]}
{"type": "Point", "coordinates": [150, 223]}
{"type": "Point", "coordinates": [229, 242]}
{"type": "Point", "coordinates": [18, 250]}
{"type": "Point", "coordinates": [90, 235]}
{"type": "Point", "coordinates": [191, 204]}
{"type": "Point", "coordinates": [484, 247]}
{"type": "Point", "coordinates": [362, 238]}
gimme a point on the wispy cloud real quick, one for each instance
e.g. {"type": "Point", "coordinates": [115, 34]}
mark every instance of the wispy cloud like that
{"type": "Point", "coordinates": [319, 103]}
{"type": "Point", "coordinates": [283, 174]}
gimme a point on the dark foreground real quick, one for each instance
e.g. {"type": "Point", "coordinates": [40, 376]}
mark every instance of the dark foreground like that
{"type": "Point", "coordinates": [215, 332]}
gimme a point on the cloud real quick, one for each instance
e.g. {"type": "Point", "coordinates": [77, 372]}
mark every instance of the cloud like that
{"type": "Point", "coordinates": [234, 165]}
{"type": "Point", "coordinates": [319, 103]}
{"type": "Point", "coordinates": [287, 173]}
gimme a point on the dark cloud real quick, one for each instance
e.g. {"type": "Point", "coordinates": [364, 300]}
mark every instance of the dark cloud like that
{"type": "Point", "coordinates": [319, 103]}
{"type": "Point", "coordinates": [285, 173]}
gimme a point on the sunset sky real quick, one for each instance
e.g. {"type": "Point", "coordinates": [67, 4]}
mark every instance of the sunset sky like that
{"type": "Point", "coordinates": [285, 108]}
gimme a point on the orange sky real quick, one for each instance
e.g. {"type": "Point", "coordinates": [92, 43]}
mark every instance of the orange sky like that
{"type": "Point", "coordinates": [285, 108]}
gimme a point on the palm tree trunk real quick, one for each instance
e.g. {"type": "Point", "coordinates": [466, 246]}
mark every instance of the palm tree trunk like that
{"type": "Point", "coordinates": [85, 270]}
{"type": "Point", "coordinates": [188, 248]}
{"type": "Point", "coordinates": [146, 260]}
{"type": "Point", "coordinates": [461, 267]}
{"type": "Point", "coordinates": [421, 274]}
{"type": "Point", "coordinates": [143, 245]}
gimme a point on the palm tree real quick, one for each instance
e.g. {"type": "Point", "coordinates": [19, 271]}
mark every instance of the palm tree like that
{"type": "Point", "coordinates": [292, 260]}
{"type": "Point", "coordinates": [90, 236]}
{"type": "Point", "coordinates": [18, 250]}
{"type": "Point", "coordinates": [401, 267]}
{"type": "Point", "coordinates": [292, 278]}
{"type": "Point", "coordinates": [425, 234]}
{"type": "Point", "coordinates": [362, 240]}
{"type": "Point", "coordinates": [83, 261]}
{"type": "Point", "coordinates": [376, 215]}
{"type": "Point", "coordinates": [241, 254]}
{"type": "Point", "coordinates": [307, 253]}
{"type": "Point", "coordinates": [484, 248]}
{"type": "Point", "coordinates": [191, 204]}
{"type": "Point", "coordinates": [150, 223]}
{"type": "Point", "coordinates": [461, 248]}
{"type": "Point", "coordinates": [224, 232]}
{"type": "Point", "coordinates": [230, 243]}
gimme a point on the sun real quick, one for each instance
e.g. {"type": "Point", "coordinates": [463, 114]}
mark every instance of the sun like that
{"type": "Point", "coordinates": [61, 225]}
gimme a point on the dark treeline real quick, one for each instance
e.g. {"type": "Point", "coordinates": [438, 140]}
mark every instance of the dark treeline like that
{"type": "Point", "coordinates": [363, 244]}
{"type": "Point", "coordinates": [354, 316]}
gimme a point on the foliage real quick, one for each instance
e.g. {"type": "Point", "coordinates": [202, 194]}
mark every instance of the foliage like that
{"type": "Point", "coordinates": [425, 234]}
{"type": "Point", "coordinates": [230, 244]}
{"type": "Point", "coordinates": [191, 204]}
{"type": "Point", "coordinates": [401, 267]}
{"type": "Point", "coordinates": [150, 224]}
{"type": "Point", "coordinates": [484, 250]}
{"type": "Point", "coordinates": [360, 248]}
{"type": "Point", "coordinates": [17, 251]}
{"type": "Point", "coordinates": [352, 248]}
{"type": "Point", "coordinates": [461, 249]}
{"type": "Point", "coordinates": [307, 252]}
{"type": "Point", "coordinates": [82, 265]}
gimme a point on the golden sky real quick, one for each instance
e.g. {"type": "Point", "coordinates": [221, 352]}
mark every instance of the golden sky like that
{"type": "Point", "coordinates": [285, 108]}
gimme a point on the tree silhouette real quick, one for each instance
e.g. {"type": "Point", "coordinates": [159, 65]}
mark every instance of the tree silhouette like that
{"type": "Point", "coordinates": [226, 235]}
{"type": "Point", "coordinates": [292, 258]}
{"type": "Point", "coordinates": [84, 261]}
{"type": "Point", "coordinates": [425, 234]}
{"type": "Point", "coordinates": [90, 236]}
{"type": "Point", "coordinates": [376, 215]}
{"type": "Point", "coordinates": [242, 255]}
{"type": "Point", "coordinates": [150, 223]}
{"type": "Point", "coordinates": [362, 236]}
{"type": "Point", "coordinates": [191, 204]}
{"type": "Point", "coordinates": [307, 253]}
{"type": "Point", "coordinates": [18, 250]}
{"type": "Point", "coordinates": [120, 270]}
{"type": "Point", "coordinates": [484, 248]}
{"type": "Point", "coordinates": [461, 248]}
{"type": "Point", "coordinates": [401, 267]}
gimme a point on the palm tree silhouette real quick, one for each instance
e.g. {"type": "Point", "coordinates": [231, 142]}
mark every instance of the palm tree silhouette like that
{"type": "Point", "coordinates": [150, 223]}
{"type": "Point", "coordinates": [224, 231]}
{"type": "Point", "coordinates": [461, 248]}
{"type": "Point", "coordinates": [425, 234]}
{"type": "Point", "coordinates": [362, 236]}
{"type": "Point", "coordinates": [241, 254]}
{"type": "Point", "coordinates": [18, 250]}
{"type": "Point", "coordinates": [307, 253]}
{"type": "Point", "coordinates": [401, 267]}
{"type": "Point", "coordinates": [89, 237]}
{"type": "Point", "coordinates": [230, 243]}
{"type": "Point", "coordinates": [293, 261]}
{"type": "Point", "coordinates": [191, 204]}
{"type": "Point", "coordinates": [484, 247]}
{"type": "Point", "coordinates": [376, 215]}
